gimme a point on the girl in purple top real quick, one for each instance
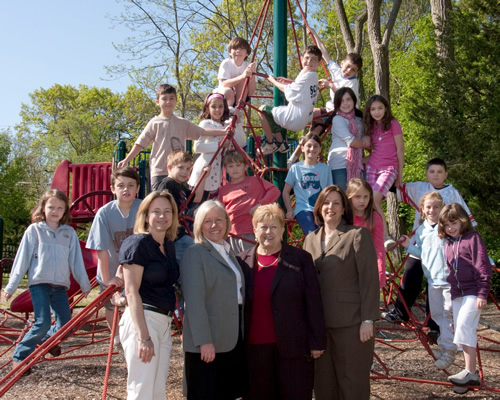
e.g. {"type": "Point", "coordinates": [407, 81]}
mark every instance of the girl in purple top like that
{"type": "Point", "coordinates": [470, 273]}
{"type": "Point", "coordinates": [385, 164]}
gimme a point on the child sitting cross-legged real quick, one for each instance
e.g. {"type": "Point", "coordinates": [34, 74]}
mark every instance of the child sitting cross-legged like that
{"type": "Point", "coordinates": [301, 95]}
{"type": "Point", "coordinates": [241, 197]}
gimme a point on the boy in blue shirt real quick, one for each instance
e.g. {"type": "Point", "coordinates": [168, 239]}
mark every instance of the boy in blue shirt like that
{"type": "Point", "coordinates": [112, 224]}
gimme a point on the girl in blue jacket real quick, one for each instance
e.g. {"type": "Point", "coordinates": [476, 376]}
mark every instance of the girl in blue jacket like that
{"type": "Point", "coordinates": [48, 252]}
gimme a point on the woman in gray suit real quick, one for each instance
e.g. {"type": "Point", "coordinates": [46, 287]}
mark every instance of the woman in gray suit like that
{"type": "Point", "coordinates": [346, 263]}
{"type": "Point", "coordinates": [213, 286]}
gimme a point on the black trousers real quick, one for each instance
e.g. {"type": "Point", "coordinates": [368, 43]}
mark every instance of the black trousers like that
{"type": "Point", "coordinates": [274, 377]}
{"type": "Point", "coordinates": [411, 285]}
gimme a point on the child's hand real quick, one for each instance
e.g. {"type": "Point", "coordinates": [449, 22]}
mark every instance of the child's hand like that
{"type": "Point", "coordinates": [227, 143]}
{"type": "Point", "coordinates": [116, 280]}
{"type": "Point", "coordinates": [481, 303]}
{"type": "Point", "coordinates": [398, 181]}
{"type": "Point", "coordinates": [367, 142]}
{"type": "Point", "coordinates": [406, 241]}
{"type": "Point", "coordinates": [207, 170]}
{"type": "Point", "coordinates": [290, 214]}
{"type": "Point", "coordinates": [325, 83]}
{"type": "Point", "coordinates": [7, 296]}
{"type": "Point", "coordinates": [85, 294]}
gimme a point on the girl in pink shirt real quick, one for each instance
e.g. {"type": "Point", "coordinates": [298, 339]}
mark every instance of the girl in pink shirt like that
{"type": "Point", "coordinates": [385, 164]}
{"type": "Point", "coordinates": [360, 195]}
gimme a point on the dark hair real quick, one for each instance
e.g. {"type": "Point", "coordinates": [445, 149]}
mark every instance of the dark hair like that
{"type": "Point", "coordinates": [233, 156]}
{"type": "Point", "coordinates": [239, 43]}
{"type": "Point", "coordinates": [318, 217]}
{"type": "Point", "coordinates": [165, 88]}
{"type": "Point", "coordinates": [38, 213]}
{"type": "Point", "coordinates": [178, 157]}
{"type": "Point", "coordinates": [352, 187]}
{"type": "Point", "coordinates": [436, 161]}
{"type": "Point", "coordinates": [356, 59]}
{"type": "Point", "coordinates": [205, 113]}
{"type": "Point", "coordinates": [368, 120]}
{"type": "Point", "coordinates": [314, 50]}
{"type": "Point", "coordinates": [308, 137]}
{"type": "Point", "coordinates": [127, 172]}
{"type": "Point", "coordinates": [337, 100]}
{"type": "Point", "coordinates": [451, 213]}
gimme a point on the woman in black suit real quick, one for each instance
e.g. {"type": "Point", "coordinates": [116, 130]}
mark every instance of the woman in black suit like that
{"type": "Point", "coordinates": [284, 325]}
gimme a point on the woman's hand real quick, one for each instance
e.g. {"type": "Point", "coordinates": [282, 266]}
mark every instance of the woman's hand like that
{"type": "Point", "coordinates": [315, 354]}
{"type": "Point", "coordinates": [365, 331]}
{"type": "Point", "coordinates": [146, 350]}
{"type": "Point", "coordinates": [481, 303]}
{"type": "Point", "coordinates": [207, 352]}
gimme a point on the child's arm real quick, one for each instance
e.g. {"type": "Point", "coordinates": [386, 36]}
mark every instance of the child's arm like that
{"type": "Point", "coordinates": [232, 82]}
{"type": "Point", "coordinates": [398, 139]}
{"type": "Point", "coordinates": [320, 44]}
{"type": "Point", "coordinates": [198, 195]}
{"type": "Point", "coordinates": [136, 149]}
{"type": "Point", "coordinates": [277, 82]}
{"type": "Point", "coordinates": [22, 261]}
{"type": "Point", "coordinates": [288, 203]}
{"type": "Point", "coordinates": [272, 193]}
{"type": "Point", "coordinates": [215, 132]}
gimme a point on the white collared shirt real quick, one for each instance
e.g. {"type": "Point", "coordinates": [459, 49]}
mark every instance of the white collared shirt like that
{"type": "Point", "coordinates": [223, 250]}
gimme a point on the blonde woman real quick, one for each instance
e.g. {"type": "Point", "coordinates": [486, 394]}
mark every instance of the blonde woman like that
{"type": "Point", "coordinates": [149, 271]}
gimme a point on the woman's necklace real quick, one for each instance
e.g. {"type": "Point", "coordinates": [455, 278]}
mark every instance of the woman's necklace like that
{"type": "Point", "coordinates": [275, 262]}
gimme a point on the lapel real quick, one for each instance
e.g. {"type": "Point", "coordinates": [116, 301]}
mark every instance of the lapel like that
{"type": "Point", "coordinates": [283, 267]}
{"type": "Point", "coordinates": [335, 238]}
{"type": "Point", "coordinates": [214, 253]}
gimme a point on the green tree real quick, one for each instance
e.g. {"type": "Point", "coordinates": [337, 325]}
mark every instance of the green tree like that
{"type": "Point", "coordinates": [452, 107]}
{"type": "Point", "coordinates": [14, 207]}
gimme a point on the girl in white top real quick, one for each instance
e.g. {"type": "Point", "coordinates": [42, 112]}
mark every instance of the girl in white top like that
{"type": "Point", "coordinates": [345, 154]}
{"type": "Point", "coordinates": [215, 115]}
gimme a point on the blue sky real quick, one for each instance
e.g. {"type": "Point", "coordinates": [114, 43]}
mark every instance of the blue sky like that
{"type": "Point", "coordinates": [55, 41]}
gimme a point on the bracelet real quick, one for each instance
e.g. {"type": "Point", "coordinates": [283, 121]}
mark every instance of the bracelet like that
{"type": "Point", "coordinates": [144, 340]}
{"type": "Point", "coordinates": [368, 321]}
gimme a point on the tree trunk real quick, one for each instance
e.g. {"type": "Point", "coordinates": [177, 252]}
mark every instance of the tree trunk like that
{"type": "Point", "coordinates": [380, 49]}
{"type": "Point", "coordinates": [440, 17]}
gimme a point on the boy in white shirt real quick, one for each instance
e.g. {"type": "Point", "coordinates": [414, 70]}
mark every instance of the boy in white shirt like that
{"type": "Point", "coordinates": [234, 70]}
{"type": "Point", "coordinates": [301, 95]}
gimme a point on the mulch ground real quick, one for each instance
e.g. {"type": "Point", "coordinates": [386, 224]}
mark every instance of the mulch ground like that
{"type": "Point", "coordinates": [401, 354]}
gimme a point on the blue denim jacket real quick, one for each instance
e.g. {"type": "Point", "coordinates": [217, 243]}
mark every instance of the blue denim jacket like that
{"type": "Point", "coordinates": [48, 256]}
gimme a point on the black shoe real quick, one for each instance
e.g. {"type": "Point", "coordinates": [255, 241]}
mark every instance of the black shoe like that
{"type": "Point", "coordinates": [55, 351]}
{"type": "Point", "coordinates": [433, 335]}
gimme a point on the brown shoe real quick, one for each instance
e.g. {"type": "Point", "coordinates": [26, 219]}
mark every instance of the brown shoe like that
{"type": "Point", "coordinates": [15, 364]}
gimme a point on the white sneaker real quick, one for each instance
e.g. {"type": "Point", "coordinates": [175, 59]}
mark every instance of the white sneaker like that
{"type": "Point", "coordinates": [389, 243]}
{"type": "Point", "coordinates": [447, 358]}
{"type": "Point", "coordinates": [464, 378]}
{"type": "Point", "coordinates": [284, 148]}
{"type": "Point", "coordinates": [269, 148]}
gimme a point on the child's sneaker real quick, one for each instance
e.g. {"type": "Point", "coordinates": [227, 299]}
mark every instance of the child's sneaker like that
{"type": "Point", "coordinates": [465, 378]}
{"type": "Point", "coordinates": [389, 243]}
{"type": "Point", "coordinates": [391, 316]}
{"type": "Point", "coordinates": [447, 358]}
{"type": "Point", "coordinates": [284, 148]}
{"type": "Point", "coordinates": [269, 148]}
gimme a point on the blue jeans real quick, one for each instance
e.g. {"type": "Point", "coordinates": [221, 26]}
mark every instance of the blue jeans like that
{"type": "Point", "coordinates": [306, 221]}
{"type": "Point", "coordinates": [339, 177]}
{"type": "Point", "coordinates": [44, 298]}
{"type": "Point", "coordinates": [180, 245]}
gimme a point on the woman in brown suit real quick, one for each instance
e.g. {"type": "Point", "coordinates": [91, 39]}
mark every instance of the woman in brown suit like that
{"type": "Point", "coordinates": [346, 263]}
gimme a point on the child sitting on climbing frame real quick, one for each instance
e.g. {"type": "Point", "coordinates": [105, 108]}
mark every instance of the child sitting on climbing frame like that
{"type": "Point", "coordinates": [301, 95]}
{"type": "Point", "coordinates": [343, 75]}
{"type": "Point", "coordinates": [234, 70]}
